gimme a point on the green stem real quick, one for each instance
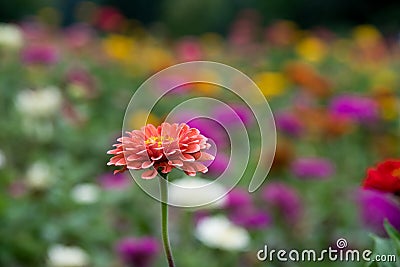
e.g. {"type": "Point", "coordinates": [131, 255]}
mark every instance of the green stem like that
{"type": "Point", "coordinates": [164, 219]}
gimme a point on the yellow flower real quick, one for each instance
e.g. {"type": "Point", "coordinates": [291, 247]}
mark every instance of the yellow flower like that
{"type": "Point", "coordinates": [153, 58]}
{"type": "Point", "coordinates": [207, 88]}
{"type": "Point", "coordinates": [311, 49]}
{"type": "Point", "coordinates": [384, 78]}
{"type": "Point", "coordinates": [388, 102]}
{"type": "Point", "coordinates": [366, 35]}
{"type": "Point", "coordinates": [138, 120]}
{"type": "Point", "coordinates": [271, 83]}
{"type": "Point", "coordinates": [119, 47]}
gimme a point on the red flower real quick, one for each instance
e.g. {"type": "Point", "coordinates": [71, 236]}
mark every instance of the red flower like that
{"type": "Point", "coordinates": [162, 148]}
{"type": "Point", "coordinates": [385, 177]}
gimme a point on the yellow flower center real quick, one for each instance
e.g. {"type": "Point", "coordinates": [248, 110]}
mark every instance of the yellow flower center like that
{"type": "Point", "coordinates": [396, 173]}
{"type": "Point", "coordinates": [158, 140]}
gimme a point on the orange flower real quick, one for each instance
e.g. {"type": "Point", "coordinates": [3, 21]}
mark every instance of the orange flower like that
{"type": "Point", "coordinates": [162, 148]}
{"type": "Point", "coordinates": [308, 79]}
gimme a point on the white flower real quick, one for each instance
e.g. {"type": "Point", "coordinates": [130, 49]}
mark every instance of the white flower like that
{"type": "Point", "coordinates": [85, 193]}
{"type": "Point", "coordinates": [65, 256]}
{"type": "Point", "coordinates": [10, 36]}
{"type": "Point", "coordinates": [39, 103]}
{"type": "Point", "coordinates": [198, 195]}
{"type": "Point", "coordinates": [2, 159]}
{"type": "Point", "coordinates": [219, 232]}
{"type": "Point", "coordinates": [39, 176]}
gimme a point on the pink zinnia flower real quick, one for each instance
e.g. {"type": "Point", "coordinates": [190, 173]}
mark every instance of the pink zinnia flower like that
{"type": "Point", "coordinates": [162, 148]}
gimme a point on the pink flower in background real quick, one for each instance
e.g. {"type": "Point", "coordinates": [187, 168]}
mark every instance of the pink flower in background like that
{"type": "Point", "coordinates": [189, 49]}
{"type": "Point", "coordinates": [114, 182]}
{"type": "Point", "coordinates": [137, 252]}
{"type": "Point", "coordinates": [109, 18]}
{"type": "Point", "coordinates": [312, 168]}
{"type": "Point", "coordinates": [39, 54]}
{"type": "Point", "coordinates": [238, 198]}
{"type": "Point", "coordinates": [285, 199]}
{"type": "Point", "coordinates": [78, 35]}
{"type": "Point", "coordinates": [354, 107]}
{"type": "Point", "coordinates": [166, 147]}
{"type": "Point", "coordinates": [375, 207]}
{"type": "Point", "coordinates": [251, 218]}
{"type": "Point", "coordinates": [214, 131]}
{"type": "Point", "coordinates": [224, 115]}
{"type": "Point", "coordinates": [289, 123]}
{"type": "Point", "coordinates": [219, 165]}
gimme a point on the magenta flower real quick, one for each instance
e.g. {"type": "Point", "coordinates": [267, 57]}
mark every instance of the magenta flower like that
{"type": "Point", "coordinates": [285, 199]}
{"type": "Point", "coordinates": [288, 123]}
{"type": "Point", "coordinates": [358, 108]}
{"type": "Point", "coordinates": [224, 115]}
{"type": "Point", "coordinates": [189, 49]}
{"type": "Point", "coordinates": [251, 218]}
{"type": "Point", "coordinates": [238, 199]}
{"type": "Point", "coordinates": [312, 168]}
{"type": "Point", "coordinates": [137, 252]}
{"type": "Point", "coordinates": [375, 207]}
{"type": "Point", "coordinates": [213, 129]}
{"type": "Point", "coordinates": [39, 55]}
{"type": "Point", "coordinates": [114, 182]}
{"type": "Point", "coordinates": [219, 165]}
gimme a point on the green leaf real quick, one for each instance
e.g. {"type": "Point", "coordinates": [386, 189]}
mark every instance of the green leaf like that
{"type": "Point", "coordinates": [383, 246]}
{"type": "Point", "coordinates": [394, 235]}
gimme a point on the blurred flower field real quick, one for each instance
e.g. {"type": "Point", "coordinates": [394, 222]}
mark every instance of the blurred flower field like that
{"type": "Point", "coordinates": [334, 96]}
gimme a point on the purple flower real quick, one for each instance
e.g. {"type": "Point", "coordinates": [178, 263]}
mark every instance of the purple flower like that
{"type": "Point", "coordinates": [114, 182]}
{"type": "Point", "coordinates": [251, 218]}
{"type": "Point", "coordinates": [213, 130]}
{"type": "Point", "coordinates": [237, 199]}
{"type": "Point", "coordinates": [358, 108]}
{"type": "Point", "coordinates": [137, 252]}
{"type": "Point", "coordinates": [285, 199]}
{"type": "Point", "coordinates": [288, 123]}
{"type": "Point", "coordinates": [226, 116]}
{"type": "Point", "coordinates": [39, 54]}
{"type": "Point", "coordinates": [312, 168]}
{"type": "Point", "coordinates": [375, 207]}
{"type": "Point", "coordinates": [219, 164]}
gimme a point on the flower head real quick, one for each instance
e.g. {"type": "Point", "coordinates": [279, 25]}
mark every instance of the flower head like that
{"type": "Point", "coordinates": [180, 195]}
{"type": "Point", "coordinates": [114, 182]}
{"type": "Point", "coordinates": [312, 168]}
{"type": "Point", "coordinates": [137, 252]}
{"type": "Point", "coordinates": [251, 218]}
{"type": "Point", "coordinates": [39, 103]}
{"type": "Point", "coordinates": [10, 36]}
{"type": "Point", "coordinates": [385, 177]}
{"type": "Point", "coordinates": [376, 207]}
{"type": "Point", "coordinates": [238, 199]}
{"type": "Point", "coordinates": [356, 108]}
{"type": "Point", "coordinates": [161, 148]}
{"type": "Point", "coordinates": [40, 54]}
{"type": "Point", "coordinates": [289, 123]}
{"type": "Point", "coordinates": [67, 256]}
{"type": "Point", "coordinates": [285, 199]}
{"type": "Point", "coordinates": [219, 232]}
